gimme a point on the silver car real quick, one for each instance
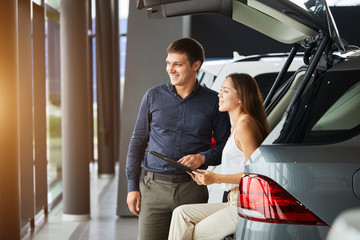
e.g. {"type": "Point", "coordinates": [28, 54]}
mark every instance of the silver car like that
{"type": "Point", "coordinates": [307, 171]}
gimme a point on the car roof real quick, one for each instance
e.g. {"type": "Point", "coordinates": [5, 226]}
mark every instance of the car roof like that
{"type": "Point", "coordinates": [253, 68]}
{"type": "Point", "coordinates": [238, 63]}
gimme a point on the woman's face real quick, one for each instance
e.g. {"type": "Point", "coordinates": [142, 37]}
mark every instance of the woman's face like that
{"type": "Point", "coordinates": [228, 98]}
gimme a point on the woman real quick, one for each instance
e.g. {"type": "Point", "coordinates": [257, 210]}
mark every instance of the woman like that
{"type": "Point", "coordinates": [241, 98]}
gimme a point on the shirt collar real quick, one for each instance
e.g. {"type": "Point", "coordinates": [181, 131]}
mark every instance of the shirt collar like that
{"type": "Point", "coordinates": [194, 91]}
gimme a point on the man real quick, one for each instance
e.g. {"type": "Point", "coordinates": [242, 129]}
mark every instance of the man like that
{"type": "Point", "coordinates": [178, 120]}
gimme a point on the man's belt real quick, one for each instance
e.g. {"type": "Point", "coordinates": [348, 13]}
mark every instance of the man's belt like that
{"type": "Point", "coordinates": [174, 178]}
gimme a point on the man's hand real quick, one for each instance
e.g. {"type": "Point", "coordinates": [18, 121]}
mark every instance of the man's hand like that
{"type": "Point", "coordinates": [193, 160]}
{"type": "Point", "coordinates": [134, 200]}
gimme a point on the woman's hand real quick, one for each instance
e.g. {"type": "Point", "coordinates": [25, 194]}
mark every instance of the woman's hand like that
{"type": "Point", "coordinates": [205, 177]}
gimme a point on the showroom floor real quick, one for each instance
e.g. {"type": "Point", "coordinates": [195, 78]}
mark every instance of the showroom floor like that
{"type": "Point", "coordinates": [104, 223]}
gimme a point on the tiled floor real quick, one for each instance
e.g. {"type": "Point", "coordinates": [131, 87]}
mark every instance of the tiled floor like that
{"type": "Point", "coordinates": [104, 223]}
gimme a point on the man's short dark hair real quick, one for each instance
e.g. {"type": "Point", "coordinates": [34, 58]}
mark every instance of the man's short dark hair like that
{"type": "Point", "coordinates": [190, 47]}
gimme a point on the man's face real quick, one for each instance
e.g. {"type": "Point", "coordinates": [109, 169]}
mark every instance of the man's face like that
{"type": "Point", "coordinates": [180, 71]}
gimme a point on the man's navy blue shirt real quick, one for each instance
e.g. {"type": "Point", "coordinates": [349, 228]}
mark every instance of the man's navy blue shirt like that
{"type": "Point", "coordinates": [175, 127]}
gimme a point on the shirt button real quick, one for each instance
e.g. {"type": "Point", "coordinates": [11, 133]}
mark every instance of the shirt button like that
{"type": "Point", "coordinates": [177, 147]}
{"type": "Point", "coordinates": [179, 131]}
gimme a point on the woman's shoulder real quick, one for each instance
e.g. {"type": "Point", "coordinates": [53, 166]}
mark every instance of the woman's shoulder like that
{"type": "Point", "coordinates": [245, 121]}
{"type": "Point", "coordinates": [247, 125]}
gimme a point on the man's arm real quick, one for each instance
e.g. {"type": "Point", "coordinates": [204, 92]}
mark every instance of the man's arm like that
{"type": "Point", "coordinates": [137, 146]}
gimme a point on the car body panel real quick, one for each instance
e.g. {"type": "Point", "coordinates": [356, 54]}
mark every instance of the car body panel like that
{"type": "Point", "coordinates": [276, 20]}
{"type": "Point", "coordinates": [356, 183]}
{"type": "Point", "coordinates": [214, 66]}
{"type": "Point", "coordinates": [271, 22]}
{"type": "Point", "coordinates": [312, 174]}
{"type": "Point", "coordinates": [171, 8]}
{"type": "Point", "coordinates": [251, 230]}
{"type": "Point", "coordinates": [287, 21]}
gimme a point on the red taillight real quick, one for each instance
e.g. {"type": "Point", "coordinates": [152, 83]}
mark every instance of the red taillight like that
{"type": "Point", "coordinates": [213, 143]}
{"type": "Point", "coordinates": [262, 199]}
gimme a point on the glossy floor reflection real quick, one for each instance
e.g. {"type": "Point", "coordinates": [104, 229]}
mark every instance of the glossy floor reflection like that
{"type": "Point", "coordinates": [104, 223]}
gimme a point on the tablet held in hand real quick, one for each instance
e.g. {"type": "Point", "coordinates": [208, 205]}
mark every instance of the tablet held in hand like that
{"type": "Point", "coordinates": [173, 162]}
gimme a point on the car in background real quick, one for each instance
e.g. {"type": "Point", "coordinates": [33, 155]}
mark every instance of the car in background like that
{"type": "Point", "coordinates": [264, 68]}
{"type": "Point", "coordinates": [307, 171]}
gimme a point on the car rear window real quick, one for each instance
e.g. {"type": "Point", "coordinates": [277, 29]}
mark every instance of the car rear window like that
{"type": "Point", "coordinates": [328, 112]}
{"type": "Point", "coordinates": [344, 114]}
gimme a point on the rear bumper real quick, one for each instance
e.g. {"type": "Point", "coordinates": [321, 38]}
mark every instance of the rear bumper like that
{"type": "Point", "coordinates": [251, 230]}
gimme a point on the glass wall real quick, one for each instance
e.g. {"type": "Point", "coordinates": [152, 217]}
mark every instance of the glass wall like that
{"type": "Point", "coordinates": [53, 103]}
{"type": "Point", "coordinates": [123, 23]}
{"type": "Point", "coordinates": [39, 66]}
{"type": "Point", "coordinates": [53, 109]}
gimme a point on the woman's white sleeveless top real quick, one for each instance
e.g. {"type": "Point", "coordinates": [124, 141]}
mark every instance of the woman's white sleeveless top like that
{"type": "Point", "coordinates": [233, 159]}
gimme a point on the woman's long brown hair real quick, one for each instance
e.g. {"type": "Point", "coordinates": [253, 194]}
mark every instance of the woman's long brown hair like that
{"type": "Point", "coordinates": [251, 99]}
